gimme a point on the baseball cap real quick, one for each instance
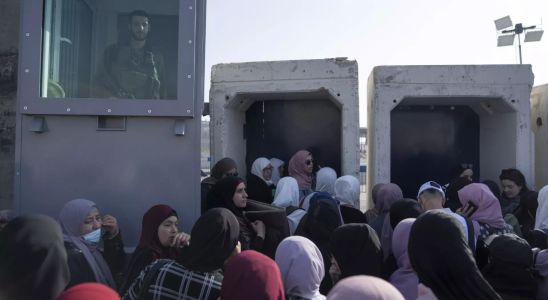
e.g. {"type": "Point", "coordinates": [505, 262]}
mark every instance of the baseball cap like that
{"type": "Point", "coordinates": [431, 185]}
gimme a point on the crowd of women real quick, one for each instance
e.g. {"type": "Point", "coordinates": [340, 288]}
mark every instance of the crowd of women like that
{"type": "Point", "coordinates": [463, 240]}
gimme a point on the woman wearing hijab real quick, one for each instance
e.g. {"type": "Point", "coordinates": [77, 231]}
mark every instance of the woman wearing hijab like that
{"type": "Point", "coordinates": [388, 194]}
{"type": "Point", "coordinates": [325, 186]}
{"type": "Point", "coordinates": [5, 217]}
{"type": "Point", "coordinates": [364, 287]}
{"type": "Point", "coordinates": [439, 253]}
{"type": "Point", "coordinates": [287, 195]}
{"type": "Point", "coordinates": [347, 192]}
{"type": "Point", "coordinates": [372, 213]}
{"type": "Point", "coordinates": [356, 251]}
{"type": "Point", "coordinates": [514, 185]}
{"type": "Point", "coordinates": [399, 211]}
{"type": "Point", "coordinates": [160, 239]}
{"type": "Point", "coordinates": [33, 260]}
{"type": "Point", "coordinates": [301, 166]}
{"type": "Point", "coordinates": [452, 195]}
{"type": "Point", "coordinates": [252, 275]}
{"type": "Point", "coordinates": [321, 221]}
{"type": "Point", "coordinates": [459, 171]}
{"type": "Point", "coordinates": [89, 291]}
{"type": "Point", "coordinates": [230, 193]}
{"type": "Point", "coordinates": [259, 184]}
{"type": "Point", "coordinates": [302, 269]}
{"type": "Point", "coordinates": [538, 236]}
{"type": "Point", "coordinates": [224, 167]}
{"type": "Point", "coordinates": [277, 170]}
{"type": "Point", "coordinates": [509, 270]}
{"type": "Point", "coordinates": [197, 274]}
{"type": "Point", "coordinates": [487, 219]}
{"type": "Point", "coordinates": [81, 223]}
{"type": "Point", "coordinates": [541, 265]}
{"type": "Point", "coordinates": [404, 279]}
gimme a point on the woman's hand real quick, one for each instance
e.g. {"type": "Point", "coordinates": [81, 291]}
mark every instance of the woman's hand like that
{"type": "Point", "coordinates": [259, 228]}
{"type": "Point", "coordinates": [111, 225]}
{"type": "Point", "coordinates": [180, 239]}
{"type": "Point", "coordinates": [334, 271]}
{"type": "Point", "coordinates": [465, 211]}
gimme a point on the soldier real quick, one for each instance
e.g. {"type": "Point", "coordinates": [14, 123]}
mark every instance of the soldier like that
{"type": "Point", "coordinates": [131, 70]}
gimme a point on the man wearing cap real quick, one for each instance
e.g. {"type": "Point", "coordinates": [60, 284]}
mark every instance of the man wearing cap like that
{"type": "Point", "coordinates": [432, 197]}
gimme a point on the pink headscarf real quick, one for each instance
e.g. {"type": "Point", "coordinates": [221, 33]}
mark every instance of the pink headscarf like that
{"type": "Point", "coordinates": [404, 279]}
{"type": "Point", "coordinates": [364, 287]}
{"type": "Point", "coordinates": [388, 194]}
{"type": "Point", "coordinates": [296, 170]}
{"type": "Point", "coordinates": [425, 293]}
{"type": "Point", "coordinates": [489, 211]}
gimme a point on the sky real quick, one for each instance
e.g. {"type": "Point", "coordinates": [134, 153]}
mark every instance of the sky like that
{"type": "Point", "coordinates": [374, 33]}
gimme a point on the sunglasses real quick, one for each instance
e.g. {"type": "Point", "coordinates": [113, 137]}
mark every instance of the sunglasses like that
{"type": "Point", "coordinates": [232, 174]}
{"type": "Point", "coordinates": [434, 184]}
{"type": "Point", "coordinates": [308, 162]}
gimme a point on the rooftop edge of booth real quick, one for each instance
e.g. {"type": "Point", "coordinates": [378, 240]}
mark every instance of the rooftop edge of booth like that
{"type": "Point", "coordinates": [235, 87]}
{"type": "Point", "coordinates": [498, 94]}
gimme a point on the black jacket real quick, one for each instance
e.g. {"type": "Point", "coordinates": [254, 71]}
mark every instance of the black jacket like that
{"type": "Point", "coordinates": [258, 190]}
{"type": "Point", "coordinates": [138, 261]}
{"type": "Point", "coordinates": [352, 215]}
{"type": "Point", "coordinates": [80, 270]}
{"type": "Point", "coordinates": [205, 189]}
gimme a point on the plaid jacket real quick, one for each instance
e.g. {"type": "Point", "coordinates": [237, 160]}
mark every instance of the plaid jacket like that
{"type": "Point", "coordinates": [173, 281]}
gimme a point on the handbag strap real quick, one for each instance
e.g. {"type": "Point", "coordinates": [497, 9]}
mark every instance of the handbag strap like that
{"type": "Point", "coordinates": [148, 278]}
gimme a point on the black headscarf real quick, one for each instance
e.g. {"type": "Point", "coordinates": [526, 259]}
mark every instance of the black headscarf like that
{"type": "Point", "coordinates": [493, 186]}
{"type": "Point", "coordinates": [509, 270]}
{"type": "Point", "coordinates": [214, 237]}
{"type": "Point", "coordinates": [219, 169]}
{"type": "Point", "coordinates": [33, 259]}
{"type": "Point", "coordinates": [404, 209]}
{"type": "Point", "coordinates": [439, 253]}
{"type": "Point", "coordinates": [456, 171]}
{"type": "Point", "coordinates": [357, 249]}
{"type": "Point", "coordinates": [452, 195]}
{"type": "Point", "coordinates": [223, 193]}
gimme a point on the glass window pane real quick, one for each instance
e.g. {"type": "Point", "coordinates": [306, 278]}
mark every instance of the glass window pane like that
{"type": "Point", "coordinates": [125, 49]}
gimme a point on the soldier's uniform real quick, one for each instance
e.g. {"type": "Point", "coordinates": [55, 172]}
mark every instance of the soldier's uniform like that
{"type": "Point", "coordinates": [128, 73]}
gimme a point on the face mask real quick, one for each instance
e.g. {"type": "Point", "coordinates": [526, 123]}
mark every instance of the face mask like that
{"type": "Point", "coordinates": [93, 236]}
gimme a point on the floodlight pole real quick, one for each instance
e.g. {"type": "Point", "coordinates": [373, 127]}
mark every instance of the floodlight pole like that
{"type": "Point", "coordinates": [519, 42]}
{"type": "Point", "coordinates": [519, 29]}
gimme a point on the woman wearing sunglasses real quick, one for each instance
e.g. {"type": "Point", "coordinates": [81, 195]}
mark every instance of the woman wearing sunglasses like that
{"type": "Point", "coordinates": [301, 166]}
{"type": "Point", "coordinates": [223, 168]}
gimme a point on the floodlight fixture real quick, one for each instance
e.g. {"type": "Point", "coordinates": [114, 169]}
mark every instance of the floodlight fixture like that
{"type": "Point", "coordinates": [533, 36]}
{"type": "Point", "coordinates": [506, 40]}
{"type": "Point", "coordinates": [503, 23]}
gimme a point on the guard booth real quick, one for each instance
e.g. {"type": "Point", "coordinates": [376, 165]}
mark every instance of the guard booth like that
{"type": "Point", "coordinates": [422, 120]}
{"type": "Point", "coordinates": [274, 109]}
{"type": "Point", "coordinates": [109, 99]}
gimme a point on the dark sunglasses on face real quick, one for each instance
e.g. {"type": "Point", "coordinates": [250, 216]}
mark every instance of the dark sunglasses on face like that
{"type": "Point", "coordinates": [232, 174]}
{"type": "Point", "coordinates": [435, 184]}
{"type": "Point", "coordinates": [308, 162]}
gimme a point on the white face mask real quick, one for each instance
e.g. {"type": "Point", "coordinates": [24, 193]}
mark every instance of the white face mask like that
{"type": "Point", "coordinates": [93, 236]}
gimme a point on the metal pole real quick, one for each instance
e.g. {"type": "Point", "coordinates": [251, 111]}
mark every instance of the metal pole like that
{"type": "Point", "coordinates": [519, 41]}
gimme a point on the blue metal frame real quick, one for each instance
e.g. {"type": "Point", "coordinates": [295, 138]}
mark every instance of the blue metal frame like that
{"type": "Point", "coordinates": [190, 44]}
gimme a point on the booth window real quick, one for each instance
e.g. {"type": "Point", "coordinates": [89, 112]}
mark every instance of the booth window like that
{"type": "Point", "coordinates": [123, 49]}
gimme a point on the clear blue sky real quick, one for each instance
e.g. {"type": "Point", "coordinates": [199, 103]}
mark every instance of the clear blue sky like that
{"type": "Point", "coordinates": [389, 32]}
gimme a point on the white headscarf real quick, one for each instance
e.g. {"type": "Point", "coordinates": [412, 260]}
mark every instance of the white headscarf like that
{"type": "Point", "coordinates": [325, 181]}
{"type": "Point", "coordinates": [258, 166]}
{"type": "Point", "coordinates": [347, 190]}
{"type": "Point", "coordinates": [301, 266]}
{"type": "Point", "coordinates": [541, 221]}
{"type": "Point", "coordinates": [287, 194]}
{"type": "Point", "coordinates": [276, 176]}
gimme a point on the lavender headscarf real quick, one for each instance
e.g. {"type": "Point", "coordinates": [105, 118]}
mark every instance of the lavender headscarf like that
{"type": "Point", "coordinates": [388, 194]}
{"type": "Point", "coordinates": [71, 219]}
{"type": "Point", "coordinates": [404, 279]}
{"type": "Point", "coordinates": [301, 266]}
{"type": "Point", "coordinates": [364, 287]}
{"type": "Point", "coordinates": [489, 211]}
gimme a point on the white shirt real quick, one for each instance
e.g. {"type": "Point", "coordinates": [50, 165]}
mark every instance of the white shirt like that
{"type": "Point", "coordinates": [460, 218]}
